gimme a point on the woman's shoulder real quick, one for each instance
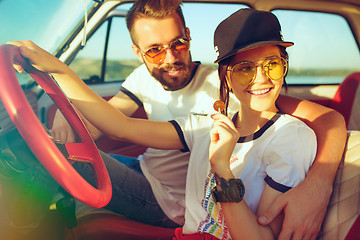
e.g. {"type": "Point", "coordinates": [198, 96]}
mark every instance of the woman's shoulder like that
{"type": "Point", "coordinates": [288, 121]}
{"type": "Point", "coordinates": [291, 131]}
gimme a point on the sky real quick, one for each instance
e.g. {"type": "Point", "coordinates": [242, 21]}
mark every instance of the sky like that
{"type": "Point", "coordinates": [313, 34]}
{"type": "Point", "coordinates": [309, 31]}
{"type": "Point", "coordinates": [30, 20]}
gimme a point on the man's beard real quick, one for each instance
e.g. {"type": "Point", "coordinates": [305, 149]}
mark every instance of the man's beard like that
{"type": "Point", "coordinates": [176, 83]}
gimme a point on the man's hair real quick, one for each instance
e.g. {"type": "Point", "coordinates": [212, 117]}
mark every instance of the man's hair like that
{"type": "Point", "coordinates": [153, 9]}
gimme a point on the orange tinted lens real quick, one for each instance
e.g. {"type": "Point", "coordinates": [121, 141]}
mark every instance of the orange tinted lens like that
{"type": "Point", "coordinates": [181, 46]}
{"type": "Point", "coordinates": [157, 58]}
{"type": "Point", "coordinates": [155, 55]}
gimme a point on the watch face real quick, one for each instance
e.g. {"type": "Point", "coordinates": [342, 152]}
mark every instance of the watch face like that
{"type": "Point", "coordinates": [234, 192]}
{"type": "Point", "coordinates": [223, 183]}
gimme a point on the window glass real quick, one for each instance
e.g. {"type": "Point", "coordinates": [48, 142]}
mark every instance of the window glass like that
{"type": "Point", "coordinates": [325, 50]}
{"type": "Point", "coordinates": [87, 63]}
{"type": "Point", "coordinates": [202, 20]}
{"type": "Point", "coordinates": [41, 21]}
{"type": "Point", "coordinates": [121, 61]}
{"type": "Point", "coordinates": [47, 26]}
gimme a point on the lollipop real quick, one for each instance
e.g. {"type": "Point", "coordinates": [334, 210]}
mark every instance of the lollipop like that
{"type": "Point", "coordinates": [219, 106]}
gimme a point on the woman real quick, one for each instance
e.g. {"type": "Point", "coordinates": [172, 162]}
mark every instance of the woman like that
{"type": "Point", "coordinates": [260, 149]}
{"type": "Point", "coordinates": [271, 152]}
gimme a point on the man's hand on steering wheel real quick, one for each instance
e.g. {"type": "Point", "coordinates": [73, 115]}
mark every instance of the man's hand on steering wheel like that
{"type": "Point", "coordinates": [61, 131]}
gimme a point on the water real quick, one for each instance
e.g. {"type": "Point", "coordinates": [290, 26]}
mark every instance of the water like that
{"type": "Point", "coordinates": [314, 79]}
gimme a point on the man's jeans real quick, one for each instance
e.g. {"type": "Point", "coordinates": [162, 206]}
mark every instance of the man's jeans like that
{"type": "Point", "coordinates": [132, 194]}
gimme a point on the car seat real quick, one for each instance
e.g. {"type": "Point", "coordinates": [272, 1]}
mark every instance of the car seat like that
{"type": "Point", "coordinates": [347, 101]}
{"type": "Point", "coordinates": [105, 225]}
{"type": "Point", "coordinates": [342, 220]}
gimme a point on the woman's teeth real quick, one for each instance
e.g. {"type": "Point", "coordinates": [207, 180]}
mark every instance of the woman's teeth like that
{"type": "Point", "coordinates": [259, 92]}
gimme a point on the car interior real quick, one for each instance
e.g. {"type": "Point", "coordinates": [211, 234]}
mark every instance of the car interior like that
{"type": "Point", "coordinates": [38, 186]}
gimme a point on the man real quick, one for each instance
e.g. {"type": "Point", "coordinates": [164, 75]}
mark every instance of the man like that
{"type": "Point", "coordinates": [170, 84]}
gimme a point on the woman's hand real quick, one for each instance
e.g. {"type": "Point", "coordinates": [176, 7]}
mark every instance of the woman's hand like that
{"type": "Point", "coordinates": [224, 137]}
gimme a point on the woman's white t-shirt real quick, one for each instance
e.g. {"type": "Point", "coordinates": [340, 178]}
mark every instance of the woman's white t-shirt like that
{"type": "Point", "coordinates": [279, 154]}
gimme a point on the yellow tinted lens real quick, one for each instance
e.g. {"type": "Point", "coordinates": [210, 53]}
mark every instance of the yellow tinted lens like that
{"type": "Point", "coordinates": [275, 68]}
{"type": "Point", "coordinates": [243, 73]}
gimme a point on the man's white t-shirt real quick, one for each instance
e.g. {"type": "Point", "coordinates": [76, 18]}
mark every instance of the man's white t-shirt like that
{"type": "Point", "coordinates": [166, 170]}
{"type": "Point", "coordinates": [279, 154]}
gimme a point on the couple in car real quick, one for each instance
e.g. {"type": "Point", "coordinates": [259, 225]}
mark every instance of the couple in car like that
{"type": "Point", "coordinates": [232, 172]}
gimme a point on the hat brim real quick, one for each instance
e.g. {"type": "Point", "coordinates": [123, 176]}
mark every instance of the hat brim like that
{"type": "Point", "coordinates": [254, 45]}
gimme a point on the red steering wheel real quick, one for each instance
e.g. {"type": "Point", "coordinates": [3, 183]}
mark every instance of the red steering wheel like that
{"type": "Point", "coordinates": [38, 140]}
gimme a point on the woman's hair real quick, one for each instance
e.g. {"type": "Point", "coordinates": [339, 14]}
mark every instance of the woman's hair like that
{"type": "Point", "coordinates": [153, 9]}
{"type": "Point", "coordinates": [224, 87]}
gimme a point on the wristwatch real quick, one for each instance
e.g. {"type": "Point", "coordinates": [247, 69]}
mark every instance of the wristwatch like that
{"type": "Point", "coordinates": [231, 191]}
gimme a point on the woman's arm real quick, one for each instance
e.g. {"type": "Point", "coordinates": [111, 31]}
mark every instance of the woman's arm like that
{"type": "Point", "coordinates": [287, 160]}
{"type": "Point", "coordinates": [62, 131]}
{"type": "Point", "coordinates": [94, 108]}
{"type": "Point", "coordinates": [240, 220]}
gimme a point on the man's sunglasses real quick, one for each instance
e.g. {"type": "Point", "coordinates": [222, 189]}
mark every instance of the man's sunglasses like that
{"type": "Point", "coordinates": [244, 73]}
{"type": "Point", "coordinates": [157, 54]}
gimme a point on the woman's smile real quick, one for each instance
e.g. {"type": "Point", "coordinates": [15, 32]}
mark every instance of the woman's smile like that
{"type": "Point", "coordinates": [259, 92]}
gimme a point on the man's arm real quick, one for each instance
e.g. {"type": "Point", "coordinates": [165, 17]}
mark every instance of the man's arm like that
{"type": "Point", "coordinates": [124, 103]}
{"type": "Point", "coordinates": [305, 205]}
{"type": "Point", "coordinates": [62, 131]}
